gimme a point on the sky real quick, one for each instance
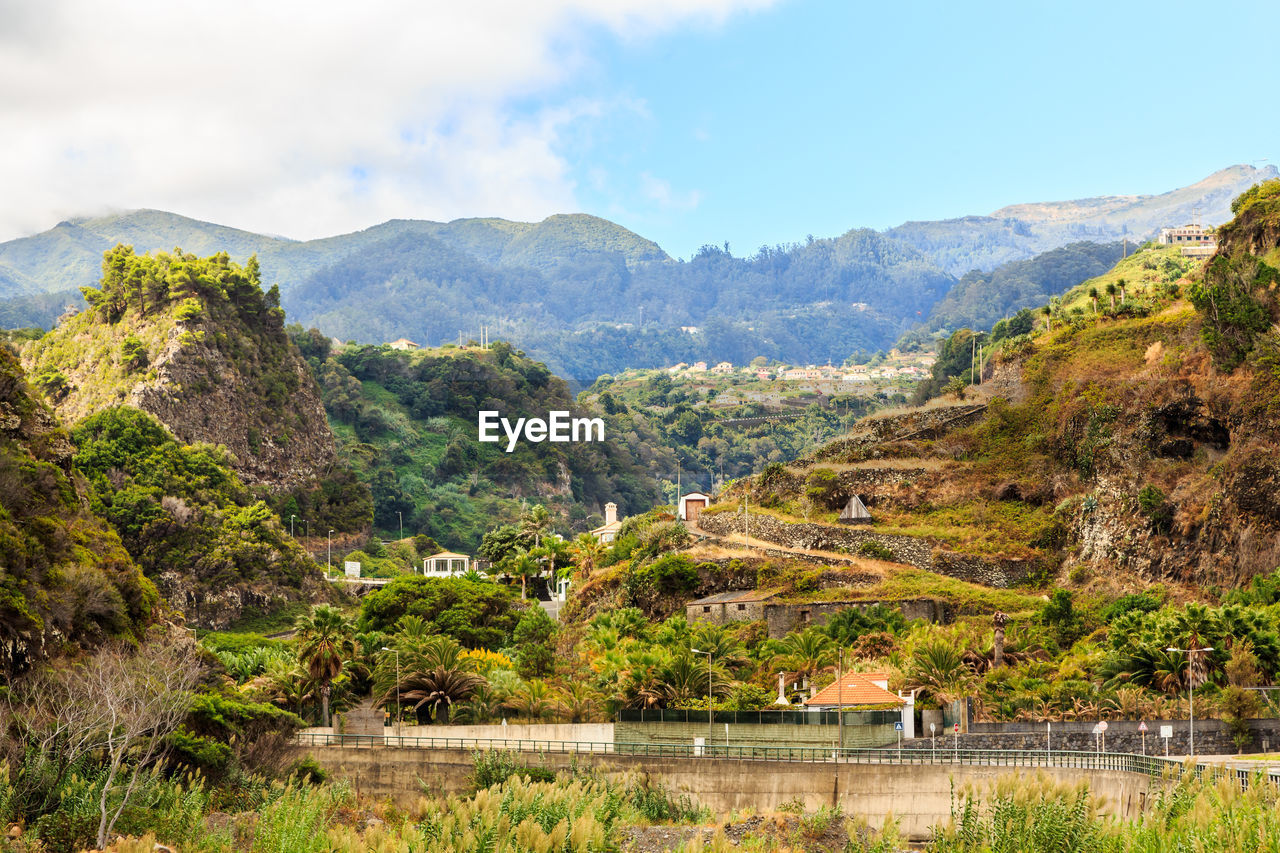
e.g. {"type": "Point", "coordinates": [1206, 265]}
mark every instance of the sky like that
{"type": "Point", "coordinates": [748, 122]}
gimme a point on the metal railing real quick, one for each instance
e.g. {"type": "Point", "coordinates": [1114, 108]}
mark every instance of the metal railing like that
{"type": "Point", "coordinates": [1148, 765]}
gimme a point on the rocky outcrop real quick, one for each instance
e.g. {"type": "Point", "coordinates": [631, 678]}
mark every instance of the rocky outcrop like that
{"type": "Point", "coordinates": [203, 395]}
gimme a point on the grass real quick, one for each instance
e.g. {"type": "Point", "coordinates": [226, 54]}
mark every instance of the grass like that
{"type": "Point", "coordinates": [902, 583]}
{"type": "Point", "coordinates": [985, 528]}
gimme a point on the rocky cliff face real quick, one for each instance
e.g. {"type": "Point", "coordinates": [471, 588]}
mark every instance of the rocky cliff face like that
{"type": "Point", "coordinates": [200, 346]}
{"type": "Point", "coordinates": [205, 394]}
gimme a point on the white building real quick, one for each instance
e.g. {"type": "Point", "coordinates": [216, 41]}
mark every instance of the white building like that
{"type": "Point", "coordinates": [446, 564]}
{"type": "Point", "coordinates": [1187, 235]}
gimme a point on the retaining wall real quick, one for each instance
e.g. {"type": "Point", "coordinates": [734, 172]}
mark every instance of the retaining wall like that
{"type": "Point", "coordinates": [918, 796]}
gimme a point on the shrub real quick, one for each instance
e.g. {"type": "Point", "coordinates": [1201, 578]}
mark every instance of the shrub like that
{"type": "Point", "coordinates": [1156, 507]}
{"type": "Point", "coordinates": [188, 310]}
{"type": "Point", "coordinates": [674, 574]}
{"type": "Point", "coordinates": [875, 551]}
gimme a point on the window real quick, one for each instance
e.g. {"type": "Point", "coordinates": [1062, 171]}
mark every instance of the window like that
{"type": "Point", "coordinates": [742, 607]}
{"type": "Point", "coordinates": [706, 609]}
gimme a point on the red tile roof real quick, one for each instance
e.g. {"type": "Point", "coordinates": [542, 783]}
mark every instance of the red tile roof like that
{"type": "Point", "coordinates": [856, 688]}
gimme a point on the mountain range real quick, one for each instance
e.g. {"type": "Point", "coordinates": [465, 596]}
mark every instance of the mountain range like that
{"type": "Point", "coordinates": [589, 296]}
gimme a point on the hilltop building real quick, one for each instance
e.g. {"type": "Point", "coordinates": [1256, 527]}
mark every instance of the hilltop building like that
{"type": "Point", "coordinates": [403, 344]}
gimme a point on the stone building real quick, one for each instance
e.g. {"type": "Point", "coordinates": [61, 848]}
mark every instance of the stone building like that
{"type": "Point", "coordinates": [725, 607]}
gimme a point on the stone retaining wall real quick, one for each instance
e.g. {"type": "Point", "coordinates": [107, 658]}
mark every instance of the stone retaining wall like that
{"type": "Point", "coordinates": [904, 549]}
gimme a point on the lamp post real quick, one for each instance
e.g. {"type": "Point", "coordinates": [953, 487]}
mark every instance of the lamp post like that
{"type": "Point", "coordinates": [396, 652]}
{"type": "Point", "coordinates": [329, 570]}
{"type": "Point", "coordinates": [839, 700]}
{"type": "Point", "coordinates": [401, 517]}
{"type": "Point", "coordinates": [708, 654]}
{"type": "Point", "coordinates": [291, 518]}
{"type": "Point", "coordinates": [1191, 699]}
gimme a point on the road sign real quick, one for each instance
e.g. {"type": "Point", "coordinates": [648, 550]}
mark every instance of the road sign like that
{"type": "Point", "coordinates": [1166, 731]}
{"type": "Point", "coordinates": [957, 728]}
{"type": "Point", "coordinates": [897, 727]}
{"type": "Point", "coordinates": [1102, 725]}
{"type": "Point", "coordinates": [1142, 727]}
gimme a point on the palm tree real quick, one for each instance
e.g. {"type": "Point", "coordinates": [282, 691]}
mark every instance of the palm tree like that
{"type": "Point", "coordinates": [535, 523]}
{"type": "Point", "coordinates": [998, 620]}
{"type": "Point", "coordinates": [324, 645]}
{"type": "Point", "coordinates": [523, 565]}
{"type": "Point", "coordinates": [1111, 291]}
{"type": "Point", "coordinates": [437, 689]}
{"type": "Point", "coordinates": [1121, 285]}
{"type": "Point", "coordinates": [939, 669]}
{"type": "Point", "coordinates": [1093, 297]}
{"type": "Point", "coordinates": [579, 702]}
{"type": "Point", "coordinates": [587, 552]}
{"type": "Point", "coordinates": [533, 700]}
{"type": "Point", "coordinates": [806, 653]}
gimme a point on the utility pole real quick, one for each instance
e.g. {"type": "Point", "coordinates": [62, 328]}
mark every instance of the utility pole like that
{"type": "Point", "coordinates": [397, 654]}
{"type": "Point", "coordinates": [291, 518]}
{"type": "Point", "coordinates": [1191, 701]}
{"type": "Point", "coordinates": [400, 514]}
{"type": "Point", "coordinates": [329, 571]}
{"type": "Point", "coordinates": [707, 750]}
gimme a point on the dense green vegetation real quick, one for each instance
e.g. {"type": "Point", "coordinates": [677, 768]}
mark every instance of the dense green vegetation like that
{"type": "Point", "coordinates": [65, 577]}
{"type": "Point", "coordinates": [197, 342]}
{"type": "Point", "coordinates": [407, 422]}
{"type": "Point", "coordinates": [979, 299]}
{"type": "Point", "coordinates": [182, 510]}
{"type": "Point", "coordinates": [794, 302]}
{"type": "Point", "coordinates": [710, 451]}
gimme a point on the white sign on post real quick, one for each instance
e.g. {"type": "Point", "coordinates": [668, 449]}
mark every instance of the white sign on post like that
{"type": "Point", "coordinates": [352, 568]}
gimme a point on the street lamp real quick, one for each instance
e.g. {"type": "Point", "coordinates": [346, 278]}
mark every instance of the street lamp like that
{"type": "Point", "coordinates": [329, 570]}
{"type": "Point", "coordinates": [709, 728]}
{"type": "Point", "coordinates": [291, 518]}
{"type": "Point", "coordinates": [401, 516]}
{"type": "Point", "coordinates": [396, 652]}
{"type": "Point", "coordinates": [1191, 700]}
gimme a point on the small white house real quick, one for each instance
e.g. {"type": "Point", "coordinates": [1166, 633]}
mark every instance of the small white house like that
{"type": "Point", "coordinates": [446, 564]}
{"type": "Point", "coordinates": [692, 505]}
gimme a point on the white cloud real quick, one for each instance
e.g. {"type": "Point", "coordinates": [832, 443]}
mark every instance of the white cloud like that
{"type": "Point", "coordinates": [300, 118]}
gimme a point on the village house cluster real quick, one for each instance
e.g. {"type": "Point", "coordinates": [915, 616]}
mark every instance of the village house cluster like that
{"type": "Point", "coordinates": [896, 365]}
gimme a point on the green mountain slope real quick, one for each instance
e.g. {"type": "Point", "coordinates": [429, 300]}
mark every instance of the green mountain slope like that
{"type": "Point", "coordinates": [1114, 444]}
{"type": "Point", "coordinates": [980, 299]}
{"type": "Point", "coordinates": [408, 423]}
{"type": "Point", "coordinates": [65, 577]}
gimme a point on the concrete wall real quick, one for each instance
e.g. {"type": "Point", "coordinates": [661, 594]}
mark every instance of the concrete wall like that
{"type": "Point", "coordinates": [573, 732]}
{"type": "Point", "coordinates": [516, 736]}
{"type": "Point", "coordinates": [905, 549]}
{"type": "Point", "coordinates": [919, 796]}
{"type": "Point", "coordinates": [767, 734]}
